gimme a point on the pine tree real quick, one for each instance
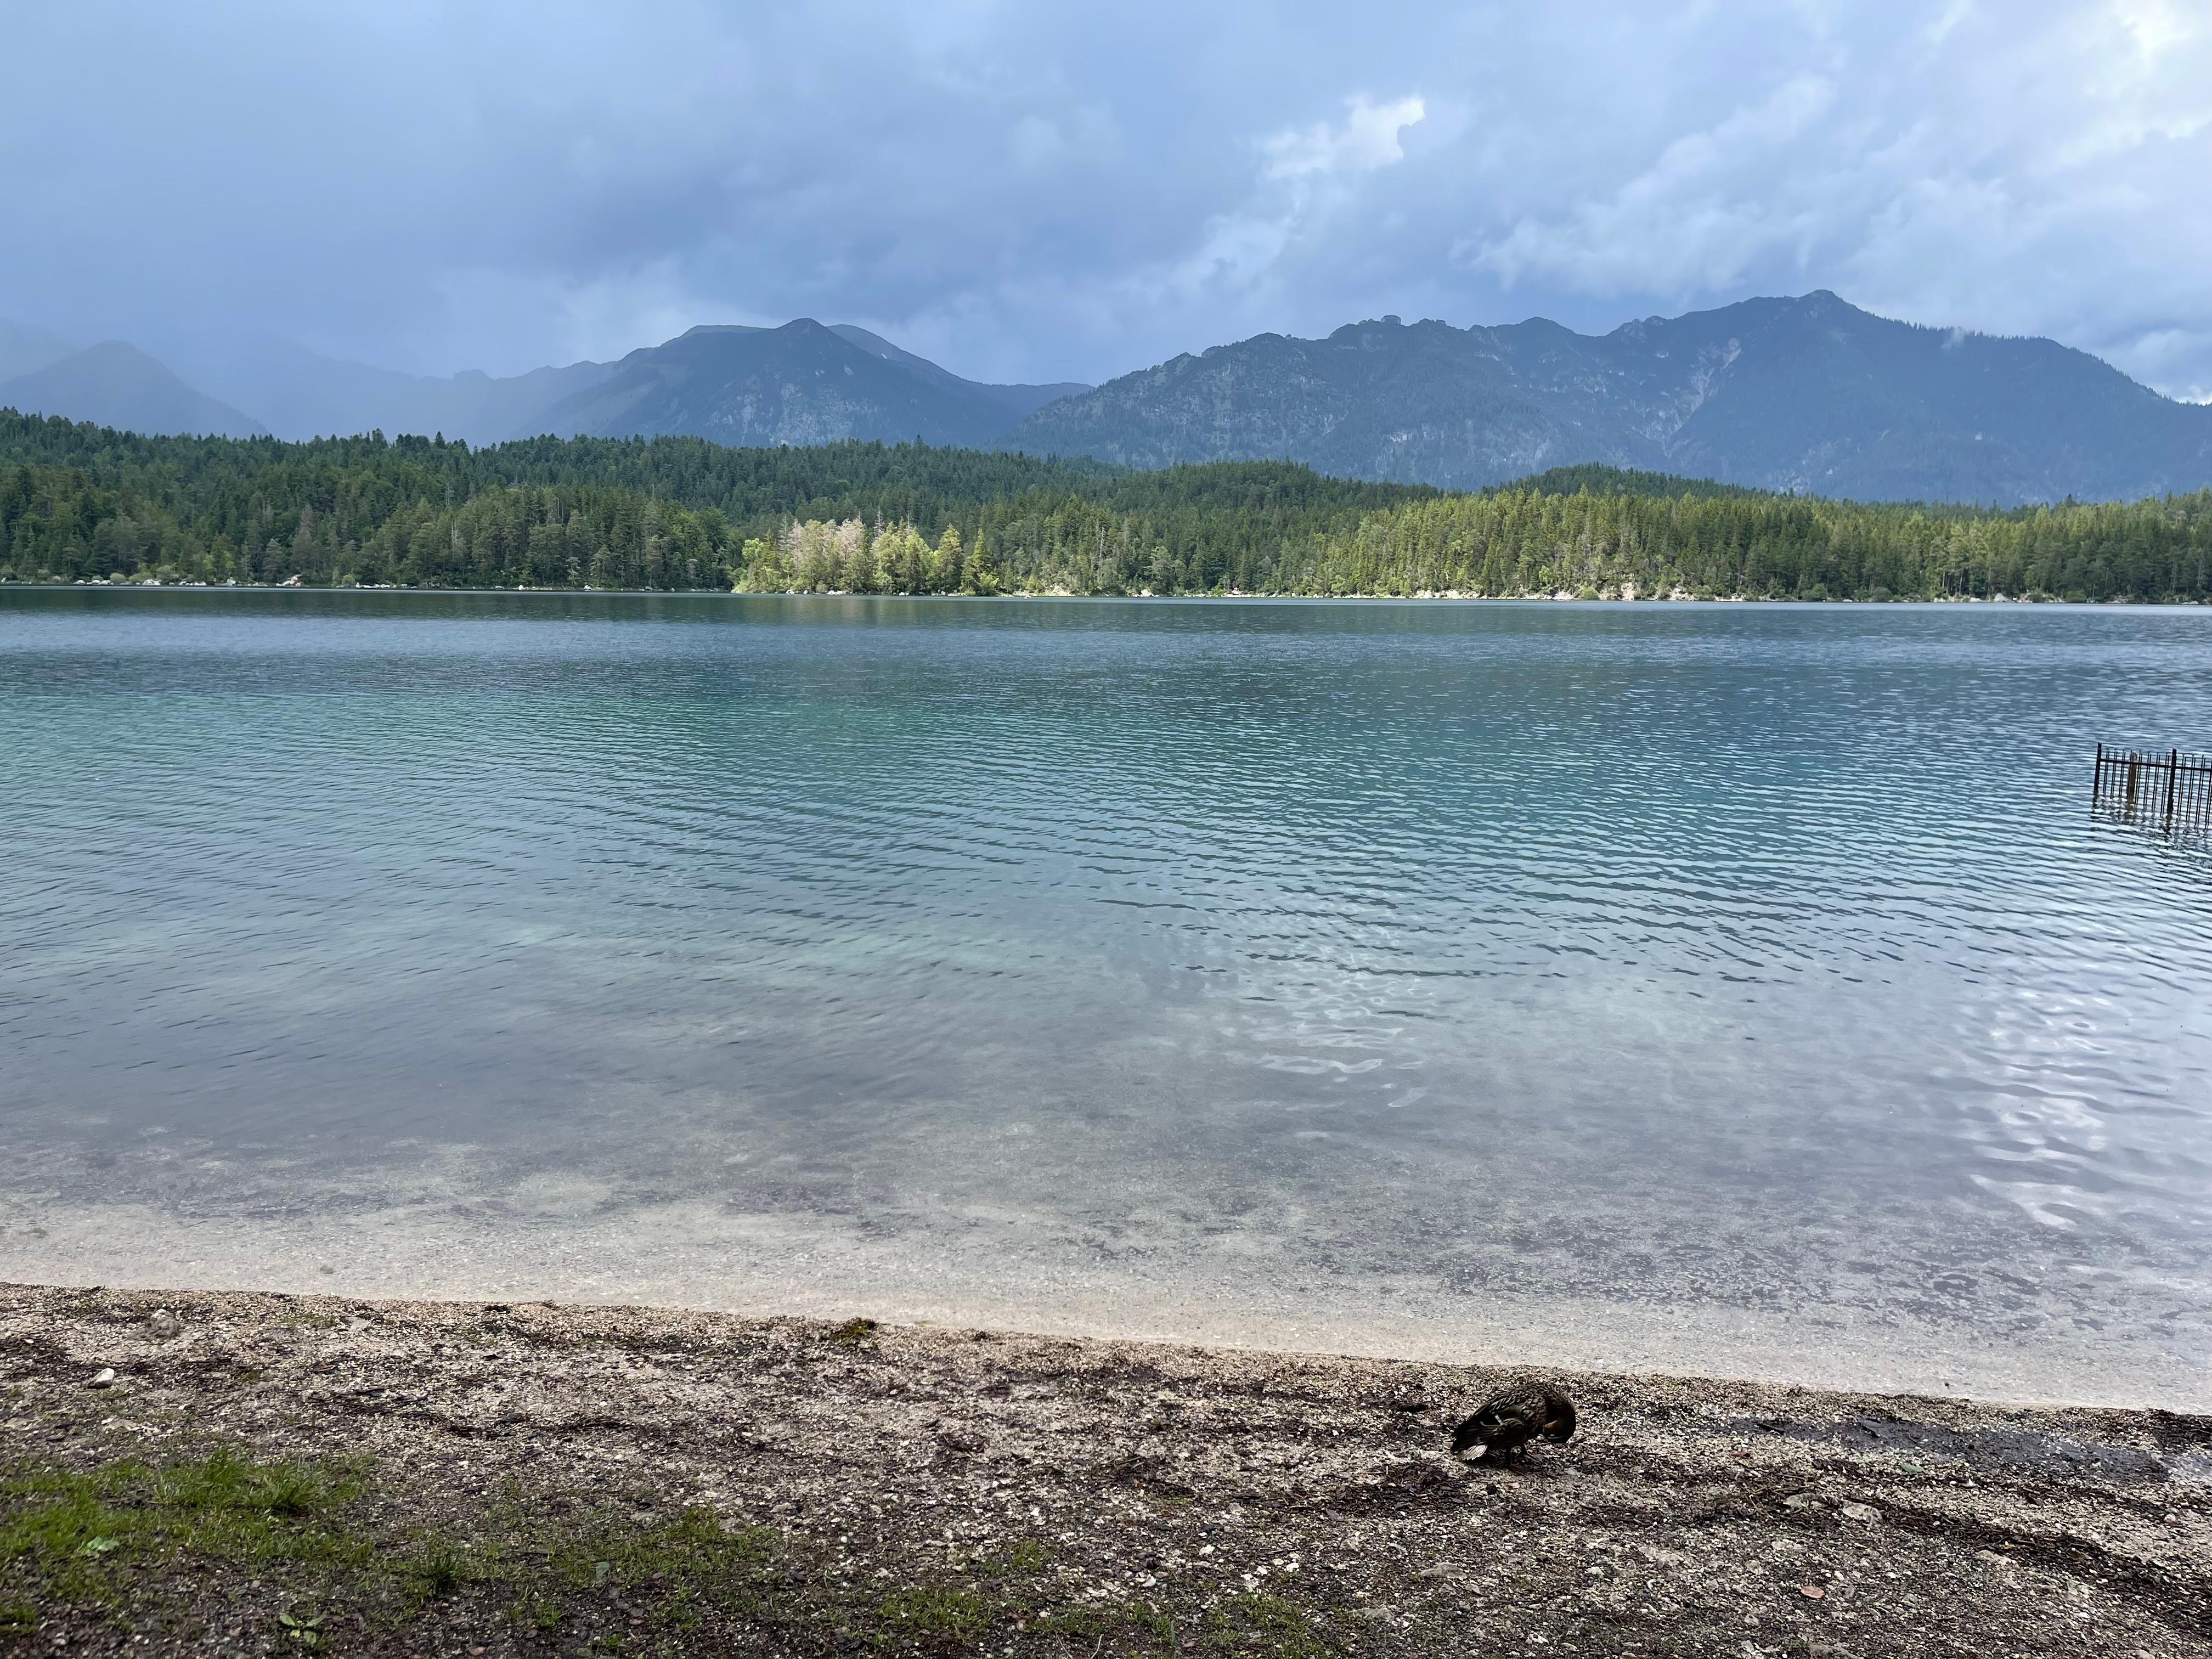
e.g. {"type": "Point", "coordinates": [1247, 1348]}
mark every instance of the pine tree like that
{"type": "Point", "coordinates": [981, 572]}
{"type": "Point", "coordinates": [944, 565]}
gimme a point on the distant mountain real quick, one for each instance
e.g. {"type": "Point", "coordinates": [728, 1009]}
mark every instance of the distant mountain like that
{"type": "Point", "coordinates": [1808, 394]}
{"type": "Point", "coordinates": [119, 386]}
{"type": "Point", "coordinates": [711, 382]}
{"type": "Point", "coordinates": [800, 384]}
{"type": "Point", "coordinates": [803, 383]}
{"type": "Point", "coordinates": [25, 350]}
{"type": "Point", "coordinates": [303, 394]}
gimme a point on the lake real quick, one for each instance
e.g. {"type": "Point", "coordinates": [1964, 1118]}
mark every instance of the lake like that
{"type": "Point", "coordinates": [1733, 989]}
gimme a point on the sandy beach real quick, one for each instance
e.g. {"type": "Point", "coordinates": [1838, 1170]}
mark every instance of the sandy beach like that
{"type": "Point", "coordinates": [265, 1473]}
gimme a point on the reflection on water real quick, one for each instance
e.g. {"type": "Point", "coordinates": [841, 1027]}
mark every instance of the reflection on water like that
{"type": "Point", "coordinates": [1754, 978]}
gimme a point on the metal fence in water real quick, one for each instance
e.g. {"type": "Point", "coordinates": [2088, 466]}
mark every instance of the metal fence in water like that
{"type": "Point", "coordinates": [2171, 792]}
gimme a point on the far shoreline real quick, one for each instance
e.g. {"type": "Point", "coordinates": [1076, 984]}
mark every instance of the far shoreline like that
{"type": "Point", "coordinates": [1637, 602]}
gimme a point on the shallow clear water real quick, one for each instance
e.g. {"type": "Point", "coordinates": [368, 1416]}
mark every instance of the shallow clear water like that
{"type": "Point", "coordinates": [1742, 987]}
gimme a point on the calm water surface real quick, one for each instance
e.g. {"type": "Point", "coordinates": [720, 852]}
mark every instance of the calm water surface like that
{"type": "Point", "coordinates": [1738, 987]}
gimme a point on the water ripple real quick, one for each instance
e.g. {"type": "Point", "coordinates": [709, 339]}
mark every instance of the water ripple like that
{"type": "Point", "coordinates": [1676, 952]}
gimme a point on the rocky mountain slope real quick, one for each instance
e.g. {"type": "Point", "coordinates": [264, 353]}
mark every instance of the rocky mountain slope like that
{"type": "Point", "coordinates": [1808, 394]}
{"type": "Point", "coordinates": [1018, 400]}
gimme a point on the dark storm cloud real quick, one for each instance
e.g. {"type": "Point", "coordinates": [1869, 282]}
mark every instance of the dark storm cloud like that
{"type": "Point", "coordinates": [1040, 193]}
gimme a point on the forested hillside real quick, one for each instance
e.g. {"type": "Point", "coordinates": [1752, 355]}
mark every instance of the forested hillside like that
{"type": "Point", "coordinates": [82, 503]}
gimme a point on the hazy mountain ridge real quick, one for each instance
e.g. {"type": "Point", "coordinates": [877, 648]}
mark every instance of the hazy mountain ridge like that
{"type": "Point", "coordinates": [301, 393]}
{"type": "Point", "coordinates": [1810, 395]}
{"type": "Point", "coordinates": [119, 386]}
{"type": "Point", "coordinates": [800, 384]}
{"type": "Point", "coordinates": [26, 350]}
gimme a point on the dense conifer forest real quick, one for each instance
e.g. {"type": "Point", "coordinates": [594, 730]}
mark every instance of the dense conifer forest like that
{"type": "Point", "coordinates": [83, 503]}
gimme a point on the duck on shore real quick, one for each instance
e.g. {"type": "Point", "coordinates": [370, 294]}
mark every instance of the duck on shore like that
{"type": "Point", "coordinates": [1503, 1425]}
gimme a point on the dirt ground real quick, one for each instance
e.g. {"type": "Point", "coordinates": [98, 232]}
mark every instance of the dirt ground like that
{"type": "Point", "coordinates": [267, 1474]}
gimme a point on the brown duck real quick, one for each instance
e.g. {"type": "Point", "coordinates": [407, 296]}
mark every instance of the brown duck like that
{"type": "Point", "coordinates": [1503, 1425]}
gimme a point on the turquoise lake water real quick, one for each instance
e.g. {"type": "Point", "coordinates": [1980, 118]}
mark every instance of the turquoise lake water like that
{"type": "Point", "coordinates": [1725, 986]}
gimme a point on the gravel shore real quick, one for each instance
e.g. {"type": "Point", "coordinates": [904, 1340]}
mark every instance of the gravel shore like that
{"type": "Point", "coordinates": [267, 1474]}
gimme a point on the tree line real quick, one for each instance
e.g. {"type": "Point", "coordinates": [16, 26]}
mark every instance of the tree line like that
{"type": "Point", "coordinates": [80, 502]}
{"type": "Point", "coordinates": [1528, 540]}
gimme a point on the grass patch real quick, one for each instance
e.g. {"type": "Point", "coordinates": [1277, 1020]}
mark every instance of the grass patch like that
{"type": "Point", "coordinates": [441, 1568]}
{"type": "Point", "coordinates": [1261, 1624]}
{"type": "Point", "coordinates": [65, 1536]}
{"type": "Point", "coordinates": [934, 1614]}
{"type": "Point", "coordinates": [1025, 1557]}
{"type": "Point", "coordinates": [77, 1540]}
{"type": "Point", "coordinates": [194, 1543]}
{"type": "Point", "coordinates": [222, 1492]}
{"type": "Point", "coordinates": [683, 1568]}
{"type": "Point", "coordinates": [537, 1617]}
{"type": "Point", "coordinates": [60, 1532]}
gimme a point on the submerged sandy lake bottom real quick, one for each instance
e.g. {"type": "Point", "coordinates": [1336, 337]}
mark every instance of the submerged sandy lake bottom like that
{"type": "Point", "coordinates": [1730, 988]}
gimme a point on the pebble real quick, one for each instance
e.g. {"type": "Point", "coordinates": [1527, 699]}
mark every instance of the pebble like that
{"type": "Point", "coordinates": [165, 1325]}
{"type": "Point", "coordinates": [103, 1378]}
{"type": "Point", "coordinates": [1866, 1512]}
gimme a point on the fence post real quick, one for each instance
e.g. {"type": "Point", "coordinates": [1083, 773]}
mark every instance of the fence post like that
{"type": "Point", "coordinates": [2172, 772]}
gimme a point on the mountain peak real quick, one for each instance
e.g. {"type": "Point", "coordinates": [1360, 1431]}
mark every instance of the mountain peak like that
{"type": "Point", "coordinates": [115, 384]}
{"type": "Point", "coordinates": [801, 382]}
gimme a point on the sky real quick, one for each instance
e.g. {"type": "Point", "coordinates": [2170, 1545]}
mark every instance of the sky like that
{"type": "Point", "coordinates": [1039, 191]}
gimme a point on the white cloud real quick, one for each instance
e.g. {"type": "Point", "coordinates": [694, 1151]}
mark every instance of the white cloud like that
{"type": "Point", "coordinates": [1309, 177]}
{"type": "Point", "coordinates": [1695, 220]}
{"type": "Point", "coordinates": [1367, 138]}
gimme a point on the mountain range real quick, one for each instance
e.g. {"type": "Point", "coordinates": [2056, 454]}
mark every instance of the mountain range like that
{"type": "Point", "coordinates": [1808, 394]}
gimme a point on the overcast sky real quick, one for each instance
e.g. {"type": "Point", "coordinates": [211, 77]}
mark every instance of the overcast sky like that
{"type": "Point", "coordinates": [1039, 191]}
